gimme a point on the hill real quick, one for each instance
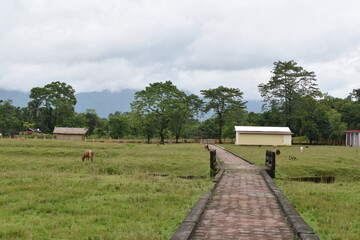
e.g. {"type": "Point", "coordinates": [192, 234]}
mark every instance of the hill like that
{"type": "Point", "coordinates": [104, 102]}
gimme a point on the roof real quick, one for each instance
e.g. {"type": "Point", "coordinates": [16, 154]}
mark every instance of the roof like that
{"type": "Point", "coordinates": [263, 130]}
{"type": "Point", "coordinates": [70, 131]}
{"type": "Point", "coordinates": [31, 130]}
{"type": "Point", "coordinates": [352, 131]}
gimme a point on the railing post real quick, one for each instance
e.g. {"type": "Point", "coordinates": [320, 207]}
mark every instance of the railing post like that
{"type": "Point", "coordinates": [212, 162]}
{"type": "Point", "coordinates": [270, 163]}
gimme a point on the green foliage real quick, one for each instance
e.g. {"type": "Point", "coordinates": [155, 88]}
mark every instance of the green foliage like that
{"type": "Point", "coordinates": [207, 129]}
{"type": "Point", "coordinates": [180, 118]}
{"type": "Point", "coordinates": [287, 85]}
{"type": "Point", "coordinates": [52, 105]}
{"type": "Point", "coordinates": [222, 100]}
{"type": "Point", "coordinates": [350, 114]}
{"type": "Point", "coordinates": [163, 107]}
{"type": "Point", "coordinates": [161, 110]}
{"type": "Point", "coordinates": [8, 117]}
{"type": "Point", "coordinates": [118, 125]}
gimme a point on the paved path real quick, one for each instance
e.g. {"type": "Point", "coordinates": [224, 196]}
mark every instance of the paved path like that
{"type": "Point", "coordinates": [242, 206]}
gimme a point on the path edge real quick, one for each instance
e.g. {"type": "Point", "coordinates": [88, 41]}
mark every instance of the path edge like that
{"type": "Point", "coordinates": [187, 226]}
{"type": "Point", "coordinates": [300, 227]}
{"type": "Point", "coordinates": [248, 161]}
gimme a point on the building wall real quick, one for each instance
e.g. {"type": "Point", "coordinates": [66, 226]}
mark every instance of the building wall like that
{"type": "Point", "coordinates": [70, 137]}
{"type": "Point", "coordinates": [262, 139]}
{"type": "Point", "coordinates": [353, 139]}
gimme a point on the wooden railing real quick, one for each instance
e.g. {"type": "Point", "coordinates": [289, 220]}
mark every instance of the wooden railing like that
{"type": "Point", "coordinates": [270, 163]}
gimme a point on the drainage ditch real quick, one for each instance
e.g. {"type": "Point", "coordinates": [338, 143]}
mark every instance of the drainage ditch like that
{"type": "Point", "coordinates": [313, 179]}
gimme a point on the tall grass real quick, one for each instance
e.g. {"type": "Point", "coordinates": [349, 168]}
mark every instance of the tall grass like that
{"type": "Point", "coordinates": [332, 210]}
{"type": "Point", "coordinates": [47, 192]}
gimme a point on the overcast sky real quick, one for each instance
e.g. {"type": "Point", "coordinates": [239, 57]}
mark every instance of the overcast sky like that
{"type": "Point", "coordinates": [96, 45]}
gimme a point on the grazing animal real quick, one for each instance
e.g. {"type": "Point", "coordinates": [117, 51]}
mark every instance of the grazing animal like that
{"type": "Point", "coordinates": [301, 149]}
{"type": "Point", "coordinates": [307, 146]}
{"type": "Point", "coordinates": [160, 143]}
{"type": "Point", "coordinates": [291, 157]}
{"type": "Point", "coordinates": [88, 154]}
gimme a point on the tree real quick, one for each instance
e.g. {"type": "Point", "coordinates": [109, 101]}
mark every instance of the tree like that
{"type": "Point", "coordinates": [102, 128]}
{"type": "Point", "coordinates": [143, 124]}
{"type": "Point", "coordinates": [355, 94]}
{"type": "Point", "coordinates": [52, 104]}
{"type": "Point", "coordinates": [161, 102]}
{"type": "Point", "coordinates": [235, 117]}
{"type": "Point", "coordinates": [312, 119]}
{"type": "Point", "coordinates": [351, 110]}
{"type": "Point", "coordinates": [8, 117]}
{"type": "Point", "coordinates": [92, 120]}
{"type": "Point", "coordinates": [186, 108]}
{"type": "Point", "coordinates": [288, 84]}
{"type": "Point", "coordinates": [222, 100]}
{"type": "Point", "coordinates": [118, 125]}
{"type": "Point", "coordinates": [207, 129]}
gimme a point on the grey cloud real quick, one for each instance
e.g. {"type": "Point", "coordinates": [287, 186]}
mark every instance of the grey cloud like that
{"type": "Point", "coordinates": [128, 44]}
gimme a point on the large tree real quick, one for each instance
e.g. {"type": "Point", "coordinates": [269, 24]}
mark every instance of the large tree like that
{"type": "Point", "coordinates": [288, 84]}
{"type": "Point", "coordinates": [52, 105]}
{"type": "Point", "coordinates": [186, 109]}
{"type": "Point", "coordinates": [163, 107]}
{"type": "Point", "coordinates": [222, 100]}
{"type": "Point", "coordinates": [159, 100]}
{"type": "Point", "coordinates": [118, 125]}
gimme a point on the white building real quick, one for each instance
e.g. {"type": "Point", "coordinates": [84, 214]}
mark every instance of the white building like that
{"type": "Point", "coordinates": [353, 138]}
{"type": "Point", "coordinates": [248, 135]}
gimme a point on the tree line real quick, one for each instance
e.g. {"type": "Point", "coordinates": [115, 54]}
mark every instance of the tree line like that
{"type": "Point", "coordinates": [291, 98]}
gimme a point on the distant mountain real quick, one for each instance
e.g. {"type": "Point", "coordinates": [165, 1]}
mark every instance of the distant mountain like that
{"type": "Point", "coordinates": [254, 106]}
{"type": "Point", "coordinates": [104, 102]}
{"type": "Point", "coordinates": [19, 99]}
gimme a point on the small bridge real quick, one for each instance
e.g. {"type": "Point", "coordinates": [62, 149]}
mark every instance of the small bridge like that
{"type": "Point", "coordinates": [244, 204]}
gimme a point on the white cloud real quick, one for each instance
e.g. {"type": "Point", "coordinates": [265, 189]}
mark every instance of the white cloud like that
{"type": "Point", "coordinates": [95, 45]}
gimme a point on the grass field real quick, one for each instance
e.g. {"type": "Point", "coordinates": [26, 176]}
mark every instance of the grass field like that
{"type": "Point", "coordinates": [47, 192]}
{"type": "Point", "coordinates": [332, 210]}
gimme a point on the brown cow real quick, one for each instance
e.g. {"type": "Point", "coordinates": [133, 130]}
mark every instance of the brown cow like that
{"type": "Point", "coordinates": [88, 154]}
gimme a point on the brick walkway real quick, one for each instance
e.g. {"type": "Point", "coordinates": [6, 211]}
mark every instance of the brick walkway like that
{"type": "Point", "coordinates": [242, 206]}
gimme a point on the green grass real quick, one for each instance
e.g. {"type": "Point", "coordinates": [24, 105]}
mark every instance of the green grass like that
{"type": "Point", "coordinates": [47, 192]}
{"type": "Point", "coordinates": [332, 210]}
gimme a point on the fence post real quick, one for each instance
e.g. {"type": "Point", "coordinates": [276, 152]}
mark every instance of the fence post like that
{"type": "Point", "coordinates": [212, 162]}
{"type": "Point", "coordinates": [270, 163]}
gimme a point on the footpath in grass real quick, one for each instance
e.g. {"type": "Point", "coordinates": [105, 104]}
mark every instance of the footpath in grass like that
{"type": "Point", "coordinates": [130, 191]}
{"type": "Point", "coordinates": [332, 210]}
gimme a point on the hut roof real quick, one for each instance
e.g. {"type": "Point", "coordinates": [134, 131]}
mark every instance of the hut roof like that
{"type": "Point", "coordinates": [70, 131]}
{"type": "Point", "coordinates": [263, 130]}
{"type": "Point", "coordinates": [352, 131]}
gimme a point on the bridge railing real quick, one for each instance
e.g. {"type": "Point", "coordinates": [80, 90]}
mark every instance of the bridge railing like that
{"type": "Point", "coordinates": [270, 163]}
{"type": "Point", "coordinates": [213, 169]}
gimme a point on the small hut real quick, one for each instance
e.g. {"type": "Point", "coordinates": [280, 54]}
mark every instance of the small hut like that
{"type": "Point", "coordinates": [24, 133]}
{"type": "Point", "coordinates": [70, 134]}
{"type": "Point", "coordinates": [353, 138]}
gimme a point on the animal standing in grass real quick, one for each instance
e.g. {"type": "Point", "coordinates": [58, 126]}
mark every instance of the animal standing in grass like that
{"type": "Point", "coordinates": [301, 150]}
{"type": "Point", "coordinates": [88, 154]}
